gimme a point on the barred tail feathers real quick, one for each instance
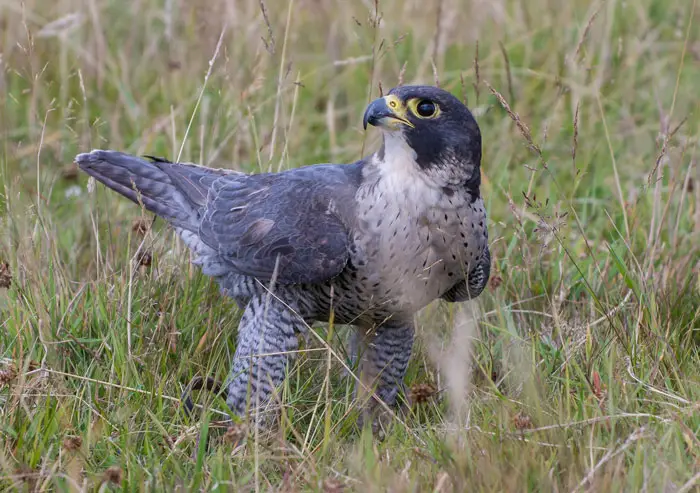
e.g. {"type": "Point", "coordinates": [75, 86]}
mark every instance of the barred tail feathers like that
{"type": "Point", "coordinates": [174, 191]}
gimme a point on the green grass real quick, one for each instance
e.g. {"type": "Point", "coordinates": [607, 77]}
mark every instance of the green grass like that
{"type": "Point", "coordinates": [577, 370]}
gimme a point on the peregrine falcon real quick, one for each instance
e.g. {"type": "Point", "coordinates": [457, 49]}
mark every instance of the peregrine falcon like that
{"type": "Point", "coordinates": [372, 242]}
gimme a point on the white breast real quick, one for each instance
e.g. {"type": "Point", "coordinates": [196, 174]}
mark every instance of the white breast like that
{"type": "Point", "coordinates": [409, 231]}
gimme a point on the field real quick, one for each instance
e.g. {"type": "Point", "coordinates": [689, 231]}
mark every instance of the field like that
{"type": "Point", "coordinates": [578, 369]}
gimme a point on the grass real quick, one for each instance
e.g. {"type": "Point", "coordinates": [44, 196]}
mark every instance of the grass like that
{"type": "Point", "coordinates": [577, 370]}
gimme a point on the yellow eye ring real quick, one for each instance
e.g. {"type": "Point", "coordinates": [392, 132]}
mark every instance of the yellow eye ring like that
{"type": "Point", "coordinates": [424, 108]}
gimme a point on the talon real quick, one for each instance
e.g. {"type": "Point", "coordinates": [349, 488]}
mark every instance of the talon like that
{"type": "Point", "coordinates": [198, 383]}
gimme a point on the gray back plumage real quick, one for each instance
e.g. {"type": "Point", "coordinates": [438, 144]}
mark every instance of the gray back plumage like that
{"type": "Point", "coordinates": [295, 223]}
{"type": "Point", "coordinates": [292, 225]}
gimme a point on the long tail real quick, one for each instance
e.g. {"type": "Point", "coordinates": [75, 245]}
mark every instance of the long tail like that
{"type": "Point", "coordinates": [175, 191]}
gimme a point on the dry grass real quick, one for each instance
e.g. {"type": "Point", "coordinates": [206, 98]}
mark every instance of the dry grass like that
{"type": "Point", "coordinates": [578, 369]}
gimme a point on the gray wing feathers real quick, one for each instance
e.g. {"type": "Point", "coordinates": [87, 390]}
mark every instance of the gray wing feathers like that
{"type": "Point", "coordinates": [475, 283]}
{"type": "Point", "coordinates": [289, 225]}
{"type": "Point", "coordinates": [292, 224]}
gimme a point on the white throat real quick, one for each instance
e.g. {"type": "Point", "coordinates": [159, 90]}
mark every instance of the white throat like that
{"type": "Point", "coordinates": [399, 157]}
{"type": "Point", "coordinates": [400, 176]}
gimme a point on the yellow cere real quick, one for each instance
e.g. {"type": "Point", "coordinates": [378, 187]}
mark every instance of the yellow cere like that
{"type": "Point", "coordinates": [398, 108]}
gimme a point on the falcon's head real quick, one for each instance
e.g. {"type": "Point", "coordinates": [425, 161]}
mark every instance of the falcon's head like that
{"type": "Point", "coordinates": [434, 128]}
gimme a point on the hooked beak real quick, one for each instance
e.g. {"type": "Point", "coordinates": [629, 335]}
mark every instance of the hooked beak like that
{"type": "Point", "coordinates": [380, 114]}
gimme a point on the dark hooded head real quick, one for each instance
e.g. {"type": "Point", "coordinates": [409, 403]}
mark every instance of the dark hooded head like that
{"type": "Point", "coordinates": [437, 126]}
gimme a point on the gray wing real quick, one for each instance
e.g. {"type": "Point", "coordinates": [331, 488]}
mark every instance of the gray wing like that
{"type": "Point", "coordinates": [474, 284]}
{"type": "Point", "coordinates": [292, 225]}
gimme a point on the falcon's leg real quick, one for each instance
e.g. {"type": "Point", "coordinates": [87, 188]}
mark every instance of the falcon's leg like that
{"type": "Point", "coordinates": [355, 345]}
{"type": "Point", "coordinates": [383, 362]}
{"type": "Point", "coordinates": [267, 334]}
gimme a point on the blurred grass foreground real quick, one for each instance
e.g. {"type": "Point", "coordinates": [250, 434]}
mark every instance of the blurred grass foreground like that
{"type": "Point", "coordinates": [577, 370]}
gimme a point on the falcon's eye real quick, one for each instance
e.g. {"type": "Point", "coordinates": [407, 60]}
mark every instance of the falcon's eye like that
{"type": "Point", "coordinates": [424, 108]}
